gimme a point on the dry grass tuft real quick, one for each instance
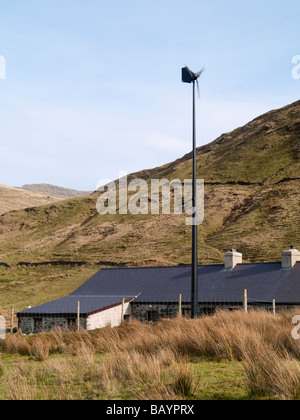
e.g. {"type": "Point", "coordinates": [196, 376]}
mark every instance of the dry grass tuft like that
{"type": "Point", "coordinates": [184, 383]}
{"type": "Point", "coordinates": [270, 375]}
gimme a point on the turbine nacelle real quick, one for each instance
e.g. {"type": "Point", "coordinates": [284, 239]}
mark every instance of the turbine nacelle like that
{"type": "Point", "coordinates": [188, 76]}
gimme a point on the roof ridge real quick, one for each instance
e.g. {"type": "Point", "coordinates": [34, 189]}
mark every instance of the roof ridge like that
{"type": "Point", "coordinates": [187, 266]}
{"type": "Point", "coordinates": [260, 263]}
{"type": "Point", "coordinates": [164, 267]}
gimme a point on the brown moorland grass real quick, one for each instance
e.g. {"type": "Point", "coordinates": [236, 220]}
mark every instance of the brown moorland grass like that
{"type": "Point", "coordinates": [154, 361]}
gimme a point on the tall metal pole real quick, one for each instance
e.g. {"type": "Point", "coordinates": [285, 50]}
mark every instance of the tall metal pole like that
{"type": "Point", "coordinates": [194, 201]}
{"type": "Point", "coordinates": [190, 77]}
{"type": "Point", "coordinates": [78, 316]}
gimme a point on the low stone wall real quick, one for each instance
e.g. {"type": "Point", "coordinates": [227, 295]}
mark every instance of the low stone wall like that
{"type": "Point", "coordinates": [52, 263]}
{"type": "Point", "coordinates": [2, 264]}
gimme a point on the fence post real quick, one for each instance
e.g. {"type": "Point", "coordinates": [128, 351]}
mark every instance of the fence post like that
{"type": "Point", "coordinates": [78, 316]}
{"type": "Point", "coordinates": [12, 320]}
{"type": "Point", "coordinates": [274, 307]}
{"type": "Point", "coordinates": [180, 306]}
{"type": "Point", "coordinates": [123, 310]}
{"type": "Point", "coordinates": [245, 301]}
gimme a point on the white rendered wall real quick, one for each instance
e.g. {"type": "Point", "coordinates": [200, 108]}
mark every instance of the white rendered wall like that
{"type": "Point", "coordinates": [109, 318]}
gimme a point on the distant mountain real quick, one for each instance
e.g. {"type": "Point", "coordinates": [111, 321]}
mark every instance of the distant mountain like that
{"type": "Point", "coordinates": [13, 198]}
{"type": "Point", "coordinates": [252, 198]}
{"type": "Point", "coordinates": [54, 191]}
{"type": "Point", "coordinates": [16, 198]}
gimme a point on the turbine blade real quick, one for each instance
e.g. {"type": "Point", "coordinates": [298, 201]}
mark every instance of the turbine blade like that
{"type": "Point", "coordinates": [200, 72]}
{"type": "Point", "coordinates": [198, 88]}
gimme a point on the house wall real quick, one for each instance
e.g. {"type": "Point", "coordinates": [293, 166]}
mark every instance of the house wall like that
{"type": "Point", "coordinates": [109, 318]}
{"type": "Point", "coordinates": [27, 324]}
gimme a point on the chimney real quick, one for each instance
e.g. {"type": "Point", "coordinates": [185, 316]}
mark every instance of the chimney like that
{"type": "Point", "coordinates": [232, 258]}
{"type": "Point", "coordinates": [290, 257]}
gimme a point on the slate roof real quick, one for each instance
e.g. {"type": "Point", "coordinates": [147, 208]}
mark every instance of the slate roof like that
{"type": "Point", "coordinates": [68, 306]}
{"type": "Point", "coordinates": [264, 282]}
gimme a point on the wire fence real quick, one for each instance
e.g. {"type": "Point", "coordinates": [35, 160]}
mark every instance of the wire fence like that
{"type": "Point", "coordinates": [153, 310]}
{"type": "Point", "coordinates": [142, 308]}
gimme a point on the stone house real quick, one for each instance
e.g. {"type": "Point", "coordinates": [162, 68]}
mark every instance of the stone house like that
{"type": "Point", "coordinates": [150, 294]}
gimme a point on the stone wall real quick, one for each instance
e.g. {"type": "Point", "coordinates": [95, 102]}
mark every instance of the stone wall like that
{"type": "Point", "coordinates": [144, 311]}
{"type": "Point", "coordinates": [50, 323]}
{"type": "Point", "coordinates": [158, 311]}
{"type": "Point", "coordinates": [28, 325]}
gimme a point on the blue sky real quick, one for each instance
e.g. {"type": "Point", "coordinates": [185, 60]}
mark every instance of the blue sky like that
{"type": "Point", "coordinates": [93, 88]}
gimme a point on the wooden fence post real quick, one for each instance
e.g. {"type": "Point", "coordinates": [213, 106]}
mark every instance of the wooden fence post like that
{"type": "Point", "coordinates": [180, 306]}
{"type": "Point", "coordinates": [245, 301]}
{"type": "Point", "coordinates": [274, 307]}
{"type": "Point", "coordinates": [12, 320]}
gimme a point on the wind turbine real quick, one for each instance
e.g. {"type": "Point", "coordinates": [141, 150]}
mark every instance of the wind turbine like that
{"type": "Point", "coordinates": [190, 77]}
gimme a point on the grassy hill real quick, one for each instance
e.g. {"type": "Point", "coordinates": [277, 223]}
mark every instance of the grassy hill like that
{"type": "Point", "coordinates": [17, 198]}
{"type": "Point", "coordinates": [252, 196]}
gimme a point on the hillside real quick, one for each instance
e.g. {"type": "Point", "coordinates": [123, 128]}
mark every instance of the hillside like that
{"type": "Point", "coordinates": [55, 191]}
{"type": "Point", "coordinates": [252, 197]}
{"type": "Point", "coordinates": [17, 198]}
